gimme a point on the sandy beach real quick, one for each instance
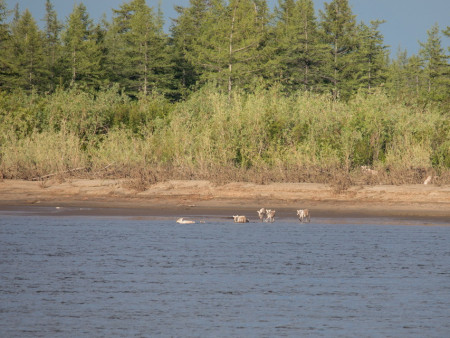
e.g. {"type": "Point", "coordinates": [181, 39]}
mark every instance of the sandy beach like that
{"type": "Point", "coordinates": [193, 198]}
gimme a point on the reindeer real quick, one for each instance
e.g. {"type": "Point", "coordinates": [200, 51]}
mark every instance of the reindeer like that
{"type": "Point", "coordinates": [261, 214]}
{"type": "Point", "coordinates": [366, 169]}
{"type": "Point", "coordinates": [184, 221]}
{"type": "Point", "coordinates": [240, 219]}
{"type": "Point", "coordinates": [428, 180]}
{"type": "Point", "coordinates": [303, 214]}
{"type": "Point", "coordinates": [270, 215]}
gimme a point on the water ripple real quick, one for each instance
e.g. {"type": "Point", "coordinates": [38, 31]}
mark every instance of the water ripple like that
{"type": "Point", "coordinates": [126, 278]}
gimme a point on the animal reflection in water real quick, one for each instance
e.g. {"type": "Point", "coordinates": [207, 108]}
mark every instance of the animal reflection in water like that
{"type": "Point", "coordinates": [240, 219]}
{"type": "Point", "coordinates": [303, 215]}
{"type": "Point", "coordinates": [184, 221]}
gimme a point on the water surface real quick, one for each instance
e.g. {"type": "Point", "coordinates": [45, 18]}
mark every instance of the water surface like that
{"type": "Point", "coordinates": [97, 277]}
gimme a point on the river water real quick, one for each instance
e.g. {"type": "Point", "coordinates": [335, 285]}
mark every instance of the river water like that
{"type": "Point", "coordinates": [123, 277]}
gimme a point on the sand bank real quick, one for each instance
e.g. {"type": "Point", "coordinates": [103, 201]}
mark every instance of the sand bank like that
{"type": "Point", "coordinates": [191, 198]}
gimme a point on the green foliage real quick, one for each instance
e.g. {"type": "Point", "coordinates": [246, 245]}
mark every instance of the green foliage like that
{"type": "Point", "coordinates": [264, 131]}
{"type": "Point", "coordinates": [185, 32]}
{"type": "Point", "coordinates": [138, 54]}
{"type": "Point", "coordinates": [52, 45]}
{"type": "Point", "coordinates": [27, 53]}
{"type": "Point", "coordinates": [40, 154]}
{"type": "Point", "coordinates": [437, 73]}
{"type": "Point", "coordinates": [229, 43]}
{"type": "Point", "coordinates": [236, 44]}
{"type": "Point", "coordinates": [370, 58]}
{"type": "Point", "coordinates": [339, 32]}
{"type": "Point", "coordinates": [6, 65]}
{"type": "Point", "coordinates": [299, 54]}
{"type": "Point", "coordinates": [234, 89]}
{"type": "Point", "coordinates": [81, 62]}
{"type": "Point", "coordinates": [81, 113]}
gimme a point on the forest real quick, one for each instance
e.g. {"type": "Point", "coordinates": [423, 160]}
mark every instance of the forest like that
{"type": "Point", "coordinates": [234, 92]}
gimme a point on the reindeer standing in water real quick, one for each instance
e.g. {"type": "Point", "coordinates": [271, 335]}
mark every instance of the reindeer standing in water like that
{"type": "Point", "coordinates": [270, 215]}
{"type": "Point", "coordinates": [303, 214]}
{"type": "Point", "coordinates": [262, 214]}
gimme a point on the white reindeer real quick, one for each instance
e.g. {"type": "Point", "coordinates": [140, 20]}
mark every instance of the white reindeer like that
{"type": "Point", "coordinates": [240, 219]}
{"type": "Point", "coordinates": [262, 214]}
{"type": "Point", "coordinates": [303, 214]}
{"type": "Point", "coordinates": [184, 221]}
{"type": "Point", "coordinates": [366, 169]}
{"type": "Point", "coordinates": [270, 215]}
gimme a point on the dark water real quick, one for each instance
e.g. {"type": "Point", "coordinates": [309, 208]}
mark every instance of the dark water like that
{"type": "Point", "coordinates": [72, 277]}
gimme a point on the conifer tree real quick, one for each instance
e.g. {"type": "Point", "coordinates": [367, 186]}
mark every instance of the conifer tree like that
{"type": "Point", "coordinates": [185, 31]}
{"type": "Point", "coordinates": [436, 66]}
{"type": "Point", "coordinates": [447, 34]}
{"type": "Point", "coordinates": [370, 60]}
{"type": "Point", "coordinates": [137, 48]}
{"type": "Point", "coordinates": [339, 32]}
{"type": "Point", "coordinates": [229, 45]}
{"type": "Point", "coordinates": [6, 65]}
{"type": "Point", "coordinates": [414, 75]}
{"type": "Point", "coordinates": [4, 30]}
{"type": "Point", "coordinates": [300, 53]}
{"type": "Point", "coordinates": [81, 52]}
{"type": "Point", "coordinates": [396, 74]}
{"type": "Point", "coordinates": [52, 43]}
{"type": "Point", "coordinates": [27, 48]}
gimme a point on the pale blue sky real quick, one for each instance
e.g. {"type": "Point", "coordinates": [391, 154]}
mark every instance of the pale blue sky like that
{"type": "Point", "coordinates": [407, 21]}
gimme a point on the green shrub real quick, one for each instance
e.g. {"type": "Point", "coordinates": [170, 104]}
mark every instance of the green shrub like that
{"type": "Point", "coordinates": [264, 135]}
{"type": "Point", "coordinates": [40, 154]}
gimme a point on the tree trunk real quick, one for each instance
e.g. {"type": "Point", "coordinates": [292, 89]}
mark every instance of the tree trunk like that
{"type": "Point", "coordinates": [230, 61]}
{"type": "Point", "coordinates": [74, 69]}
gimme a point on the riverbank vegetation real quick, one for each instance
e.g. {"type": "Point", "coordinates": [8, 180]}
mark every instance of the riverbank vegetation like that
{"type": "Point", "coordinates": [235, 92]}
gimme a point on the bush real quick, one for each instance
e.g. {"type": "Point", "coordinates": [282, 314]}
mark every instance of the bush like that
{"type": "Point", "coordinates": [263, 136]}
{"type": "Point", "coordinates": [41, 154]}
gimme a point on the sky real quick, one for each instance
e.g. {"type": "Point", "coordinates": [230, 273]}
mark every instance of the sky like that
{"type": "Point", "coordinates": [407, 21]}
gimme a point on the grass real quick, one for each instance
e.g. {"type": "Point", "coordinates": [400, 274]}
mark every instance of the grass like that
{"type": "Point", "coordinates": [261, 137]}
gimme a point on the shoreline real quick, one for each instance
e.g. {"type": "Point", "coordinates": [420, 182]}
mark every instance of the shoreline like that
{"type": "Point", "coordinates": [171, 199]}
{"type": "Point", "coordinates": [218, 214]}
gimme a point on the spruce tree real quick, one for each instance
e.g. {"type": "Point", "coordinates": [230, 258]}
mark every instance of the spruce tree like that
{"type": "Point", "coordinates": [27, 48]}
{"type": "Point", "coordinates": [447, 34]}
{"type": "Point", "coordinates": [52, 44]}
{"type": "Point", "coordinates": [137, 49]}
{"type": "Point", "coordinates": [414, 76]}
{"type": "Point", "coordinates": [185, 31]}
{"type": "Point", "coordinates": [436, 66]}
{"type": "Point", "coordinates": [229, 47]}
{"type": "Point", "coordinates": [82, 55]}
{"type": "Point", "coordinates": [339, 32]}
{"type": "Point", "coordinates": [370, 58]}
{"type": "Point", "coordinates": [6, 65]}
{"type": "Point", "coordinates": [396, 74]}
{"type": "Point", "coordinates": [299, 52]}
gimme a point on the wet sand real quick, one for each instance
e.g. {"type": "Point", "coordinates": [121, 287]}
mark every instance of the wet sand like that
{"type": "Point", "coordinates": [425, 204]}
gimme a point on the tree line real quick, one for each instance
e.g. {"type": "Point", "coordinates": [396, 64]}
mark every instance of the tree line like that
{"type": "Point", "coordinates": [235, 44]}
{"type": "Point", "coordinates": [234, 92]}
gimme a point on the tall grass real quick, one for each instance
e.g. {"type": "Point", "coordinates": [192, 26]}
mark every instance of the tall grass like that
{"type": "Point", "coordinates": [41, 154]}
{"type": "Point", "coordinates": [263, 136]}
